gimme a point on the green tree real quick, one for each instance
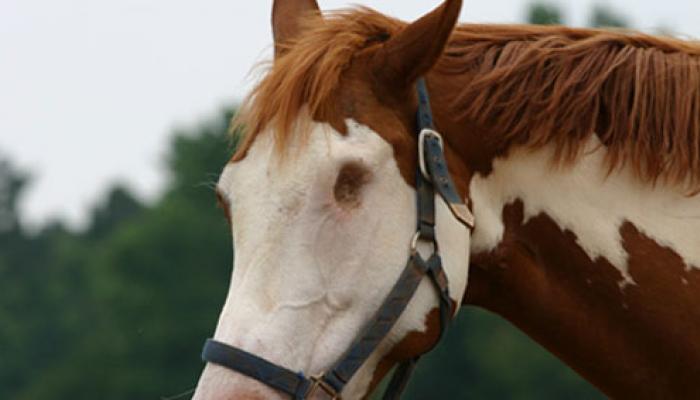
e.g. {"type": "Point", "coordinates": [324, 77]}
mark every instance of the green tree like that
{"type": "Point", "coordinates": [119, 206]}
{"type": "Point", "coordinates": [543, 13]}
{"type": "Point", "coordinates": [34, 325]}
{"type": "Point", "coordinates": [119, 310]}
{"type": "Point", "coordinates": [152, 282]}
{"type": "Point", "coordinates": [12, 185]}
{"type": "Point", "coordinates": [604, 17]}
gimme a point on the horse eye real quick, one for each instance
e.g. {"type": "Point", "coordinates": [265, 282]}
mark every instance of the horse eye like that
{"type": "Point", "coordinates": [348, 187]}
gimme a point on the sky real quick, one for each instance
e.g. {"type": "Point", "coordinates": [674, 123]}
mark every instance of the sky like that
{"type": "Point", "coordinates": [91, 90]}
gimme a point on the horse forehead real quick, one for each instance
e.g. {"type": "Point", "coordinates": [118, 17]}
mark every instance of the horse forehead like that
{"type": "Point", "coordinates": [321, 147]}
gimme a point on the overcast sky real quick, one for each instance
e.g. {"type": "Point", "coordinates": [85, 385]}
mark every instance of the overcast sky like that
{"type": "Point", "coordinates": [90, 90]}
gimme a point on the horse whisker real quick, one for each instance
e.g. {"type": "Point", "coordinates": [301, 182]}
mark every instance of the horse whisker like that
{"type": "Point", "coordinates": [180, 395]}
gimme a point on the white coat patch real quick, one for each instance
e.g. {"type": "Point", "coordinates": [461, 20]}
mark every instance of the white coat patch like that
{"type": "Point", "coordinates": [309, 274]}
{"type": "Point", "coordinates": [583, 200]}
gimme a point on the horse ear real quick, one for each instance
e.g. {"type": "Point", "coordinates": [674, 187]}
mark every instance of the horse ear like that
{"type": "Point", "coordinates": [286, 18]}
{"type": "Point", "coordinates": [414, 50]}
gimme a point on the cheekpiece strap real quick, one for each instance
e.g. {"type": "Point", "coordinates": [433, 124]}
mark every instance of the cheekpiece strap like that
{"type": "Point", "coordinates": [432, 162]}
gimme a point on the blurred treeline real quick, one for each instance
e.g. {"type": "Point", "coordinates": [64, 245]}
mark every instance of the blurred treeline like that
{"type": "Point", "coordinates": [120, 309]}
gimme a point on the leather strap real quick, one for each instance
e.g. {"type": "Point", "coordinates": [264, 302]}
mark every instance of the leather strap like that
{"type": "Point", "coordinates": [438, 179]}
{"type": "Point", "coordinates": [382, 322]}
{"type": "Point", "coordinates": [436, 166]}
{"type": "Point", "coordinates": [425, 203]}
{"type": "Point", "coordinates": [434, 157]}
{"type": "Point", "coordinates": [292, 383]}
{"type": "Point", "coordinates": [425, 113]}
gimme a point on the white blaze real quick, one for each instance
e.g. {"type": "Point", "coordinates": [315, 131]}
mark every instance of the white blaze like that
{"type": "Point", "coordinates": [308, 274]}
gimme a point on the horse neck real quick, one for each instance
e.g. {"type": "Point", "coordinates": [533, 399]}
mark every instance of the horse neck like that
{"type": "Point", "coordinates": [590, 265]}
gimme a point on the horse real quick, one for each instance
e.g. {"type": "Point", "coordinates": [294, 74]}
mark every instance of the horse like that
{"type": "Point", "coordinates": [577, 152]}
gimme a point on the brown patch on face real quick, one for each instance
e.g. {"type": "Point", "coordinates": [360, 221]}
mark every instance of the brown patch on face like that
{"type": "Point", "coordinates": [642, 341]}
{"type": "Point", "coordinates": [362, 93]}
{"type": "Point", "coordinates": [348, 186]}
{"type": "Point", "coordinates": [391, 113]}
{"type": "Point", "coordinates": [414, 344]}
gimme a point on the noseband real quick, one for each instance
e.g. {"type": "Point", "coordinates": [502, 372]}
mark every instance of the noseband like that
{"type": "Point", "coordinates": [432, 177]}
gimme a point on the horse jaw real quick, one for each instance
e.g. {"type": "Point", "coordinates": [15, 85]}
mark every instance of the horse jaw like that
{"type": "Point", "coordinates": [309, 272]}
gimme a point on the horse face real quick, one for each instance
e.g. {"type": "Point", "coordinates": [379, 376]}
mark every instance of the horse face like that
{"type": "Point", "coordinates": [318, 244]}
{"type": "Point", "coordinates": [320, 237]}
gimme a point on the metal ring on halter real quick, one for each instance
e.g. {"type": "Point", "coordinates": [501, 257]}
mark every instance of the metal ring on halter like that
{"type": "Point", "coordinates": [421, 150]}
{"type": "Point", "coordinates": [417, 238]}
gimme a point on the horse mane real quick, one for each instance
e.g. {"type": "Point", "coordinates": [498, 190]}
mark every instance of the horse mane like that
{"type": "Point", "coordinates": [531, 85]}
{"type": "Point", "coordinates": [535, 85]}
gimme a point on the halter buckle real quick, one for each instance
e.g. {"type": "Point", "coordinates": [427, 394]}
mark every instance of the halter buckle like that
{"type": "Point", "coordinates": [417, 238]}
{"type": "Point", "coordinates": [421, 150]}
{"type": "Point", "coordinates": [322, 388]}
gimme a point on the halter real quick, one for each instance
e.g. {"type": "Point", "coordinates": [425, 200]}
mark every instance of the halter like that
{"type": "Point", "coordinates": [432, 177]}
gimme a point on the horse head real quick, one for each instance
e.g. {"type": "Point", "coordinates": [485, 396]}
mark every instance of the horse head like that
{"type": "Point", "coordinates": [322, 194]}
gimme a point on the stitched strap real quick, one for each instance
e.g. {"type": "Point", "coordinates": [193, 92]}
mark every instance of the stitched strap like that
{"type": "Point", "coordinates": [403, 372]}
{"type": "Point", "coordinates": [405, 288]}
{"type": "Point", "coordinates": [425, 193]}
{"type": "Point", "coordinates": [280, 378]}
{"type": "Point", "coordinates": [381, 323]}
{"type": "Point", "coordinates": [425, 113]}
{"type": "Point", "coordinates": [425, 203]}
{"type": "Point", "coordinates": [442, 181]}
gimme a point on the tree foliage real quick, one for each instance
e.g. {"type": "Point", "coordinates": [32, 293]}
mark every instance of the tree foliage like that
{"type": "Point", "coordinates": [547, 13]}
{"type": "Point", "coordinates": [543, 13]}
{"type": "Point", "coordinates": [12, 184]}
{"type": "Point", "coordinates": [604, 17]}
{"type": "Point", "coordinates": [119, 310]}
